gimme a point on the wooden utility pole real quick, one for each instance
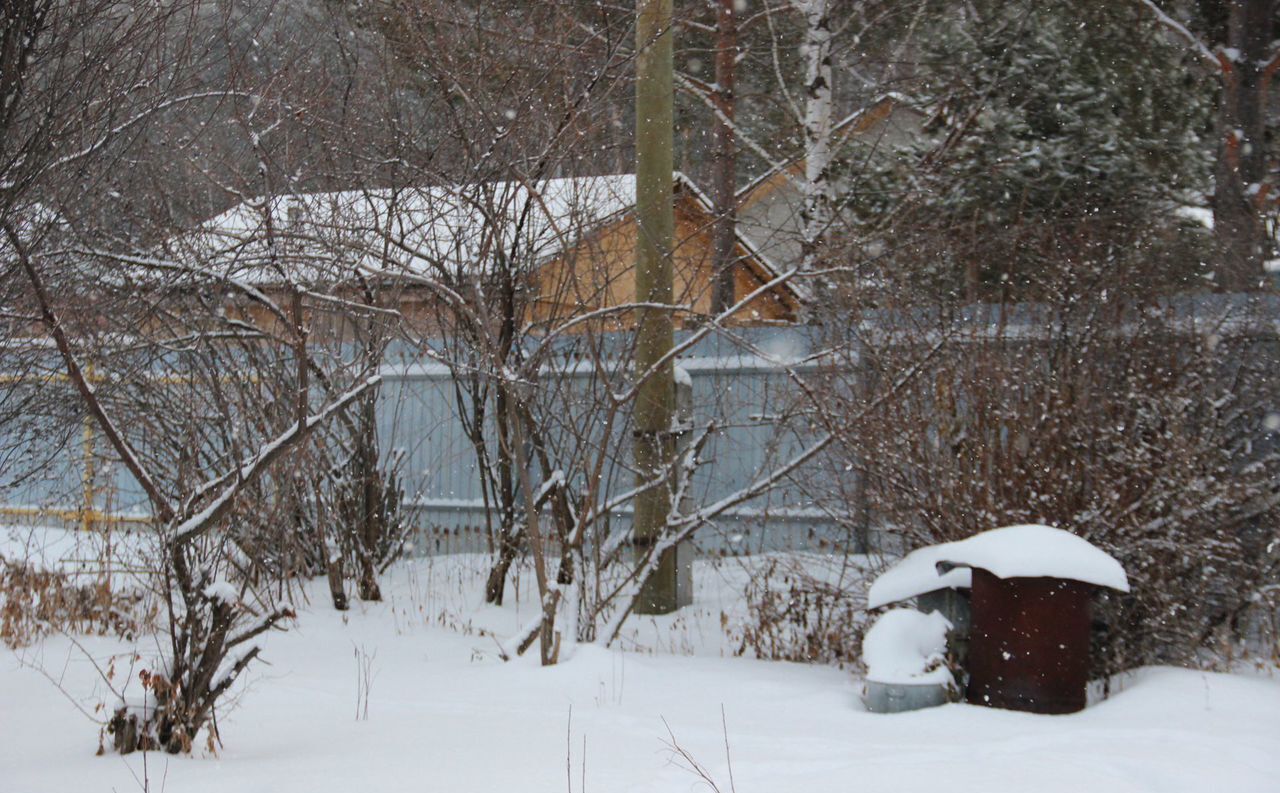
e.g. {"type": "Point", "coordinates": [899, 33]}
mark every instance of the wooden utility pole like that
{"type": "Point", "coordinates": [654, 443]}
{"type": "Point", "coordinates": [724, 185]}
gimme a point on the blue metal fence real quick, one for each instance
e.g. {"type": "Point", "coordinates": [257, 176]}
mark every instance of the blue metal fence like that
{"type": "Point", "coordinates": [742, 381]}
{"type": "Point", "coordinates": [742, 387]}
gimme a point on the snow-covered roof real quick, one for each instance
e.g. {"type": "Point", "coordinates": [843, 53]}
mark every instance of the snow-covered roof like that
{"type": "Point", "coordinates": [427, 231]}
{"type": "Point", "coordinates": [1028, 551]}
{"type": "Point", "coordinates": [453, 230]}
{"type": "Point", "coordinates": [1032, 551]}
{"type": "Point", "coordinates": [916, 574]}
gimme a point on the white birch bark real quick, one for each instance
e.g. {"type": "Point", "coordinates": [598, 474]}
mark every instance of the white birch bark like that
{"type": "Point", "coordinates": [815, 212]}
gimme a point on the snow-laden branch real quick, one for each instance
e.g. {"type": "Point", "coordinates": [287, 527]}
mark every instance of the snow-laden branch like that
{"type": "Point", "coordinates": [111, 134]}
{"type": "Point", "coordinates": [682, 527]}
{"type": "Point", "coordinates": [1182, 32]}
{"type": "Point", "coordinates": [354, 306]}
{"type": "Point", "coordinates": [685, 525]}
{"type": "Point", "coordinates": [700, 333]}
{"type": "Point", "coordinates": [250, 290]}
{"type": "Point", "coordinates": [776, 58]}
{"type": "Point", "coordinates": [619, 537]}
{"type": "Point", "coordinates": [247, 472]}
{"type": "Point", "coordinates": [683, 468]}
{"type": "Point", "coordinates": [742, 137]}
{"type": "Point", "coordinates": [517, 644]}
{"type": "Point", "coordinates": [599, 313]}
{"type": "Point", "coordinates": [164, 510]}
{"type": "Point", "coordinates": [442, 290]}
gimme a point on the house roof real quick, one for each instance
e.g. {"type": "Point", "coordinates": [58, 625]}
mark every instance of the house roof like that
{"type": "Point", "coordinates": [430, 231]}
{"type": "Point", "coordinates": [445, 230]}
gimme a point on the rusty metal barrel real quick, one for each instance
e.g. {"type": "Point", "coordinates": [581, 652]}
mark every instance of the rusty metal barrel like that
{"type": "Point", "coordinates": [1029, 643]}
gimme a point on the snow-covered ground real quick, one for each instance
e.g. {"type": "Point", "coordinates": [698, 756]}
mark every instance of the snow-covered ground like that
{"type": "Point", "coordinates": [445, 714]}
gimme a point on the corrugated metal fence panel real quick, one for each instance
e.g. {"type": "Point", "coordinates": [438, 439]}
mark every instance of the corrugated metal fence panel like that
{"type": "Point", "coordinates": [742, 392]}
{"type": "Point", "coordinates": [739, 382]}
{"type": "Point", "coordinates": [419, 429]}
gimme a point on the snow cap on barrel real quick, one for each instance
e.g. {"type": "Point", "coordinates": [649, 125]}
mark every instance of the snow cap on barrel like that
{"type": "Point", "coordinates": [1028, 551]}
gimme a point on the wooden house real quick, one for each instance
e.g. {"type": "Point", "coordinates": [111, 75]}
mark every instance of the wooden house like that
{"type": "Point", "coordinates": [558, 249]}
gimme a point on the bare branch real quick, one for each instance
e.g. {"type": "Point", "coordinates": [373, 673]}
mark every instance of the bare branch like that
{"type": "Point", "coordinates": [164, 510]}
{"type": "Point", "coordinates": [1207, 56]}
{"type": "Point", "coordinates": [246, 473]}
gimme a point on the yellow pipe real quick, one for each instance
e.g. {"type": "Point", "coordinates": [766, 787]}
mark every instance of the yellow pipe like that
{"type": "Point", "coordinates": [87, 505]}
{"type": "Point", "coordinates": [88, 515]}
{"type": "Point", "coordinates": [74, 515]}
{"type": "Point", "coordinates": [168, 379]}
{"type": "Point", "coordinates": [10, 379]}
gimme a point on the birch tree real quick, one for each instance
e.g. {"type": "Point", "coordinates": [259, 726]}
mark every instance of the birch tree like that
{"type": "Point", "coordinates": [803, 150]}
{"type": "Point", "coordinates": [816, 188]}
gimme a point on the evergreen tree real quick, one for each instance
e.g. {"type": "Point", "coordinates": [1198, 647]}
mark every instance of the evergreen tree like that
{"type": "Point", "coordinates": [1061, 136]}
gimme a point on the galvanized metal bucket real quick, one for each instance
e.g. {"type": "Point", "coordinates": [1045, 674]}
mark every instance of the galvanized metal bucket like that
{"type": "Point", "coordinates": [902, 697]}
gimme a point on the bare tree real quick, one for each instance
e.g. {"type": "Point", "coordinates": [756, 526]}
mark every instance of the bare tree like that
{"type": "Point", "coordinates": [199, 379]}
{"type": "Point", "coordinates": [724, 181]}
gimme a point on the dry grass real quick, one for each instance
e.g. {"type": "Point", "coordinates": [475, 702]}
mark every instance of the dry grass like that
{"type": "Point", "coordinates": [35, 602]}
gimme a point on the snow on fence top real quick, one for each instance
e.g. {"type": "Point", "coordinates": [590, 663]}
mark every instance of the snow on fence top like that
{"type": "Point", "coordinates": [906, 646]}
{"type": "Point", "coordinates": [1028, 551]}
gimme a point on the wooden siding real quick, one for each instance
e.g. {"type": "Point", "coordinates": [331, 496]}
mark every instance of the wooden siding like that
{"type": "Point", "coordinates": [598, 272]}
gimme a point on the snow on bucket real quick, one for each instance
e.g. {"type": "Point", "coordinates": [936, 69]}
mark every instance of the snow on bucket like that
{"type": "Point", "coordinates": [905, 654]}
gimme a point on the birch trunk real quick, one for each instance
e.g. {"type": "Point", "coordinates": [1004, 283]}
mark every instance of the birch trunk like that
{"type": "Point", "coordinates": [815, 212]}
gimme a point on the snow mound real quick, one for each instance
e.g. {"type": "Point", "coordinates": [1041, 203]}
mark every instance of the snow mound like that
{"type": "Point", "coordinates": [1028, 551]}
{"type": "Point", "coordinates": [907, 647]}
